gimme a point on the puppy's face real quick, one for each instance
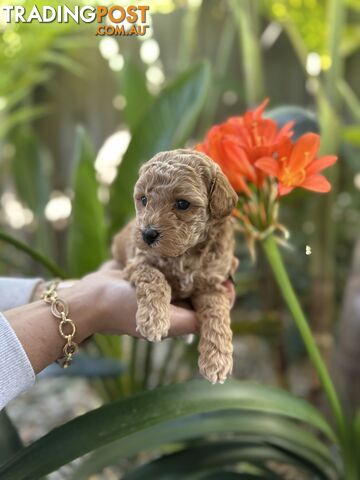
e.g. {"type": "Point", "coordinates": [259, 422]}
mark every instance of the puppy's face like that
{"type": "Point", "coordinates": [177, 196]}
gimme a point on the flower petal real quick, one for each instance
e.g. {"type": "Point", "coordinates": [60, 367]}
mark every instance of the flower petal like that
{"type": "Point", "coordinates": [304, 151]}
{"type": "Point", "coordinates": [284, 190]}
{"type": "Point", "coordinates": [239, 158]}
{"type": "Point", "coordinates": [285, 131]}
{"type": "Point", "coordinates": [240, 186]}
{"type": "Point", "coordinates": [213, 144]}
{"type": "Point", "coordinates": [316, 183]}
{"type": "Point", "coordinates": [256, 114]}
{"type": "Point", "coordinates": [284, 148]}
{"type": "Point", "coordinates": [259, 110]}
{"type": "Point", "coordinates": [200, 147]}
{"type": "Point", "coordinates": [233, 126]}
{"type": "Point", "coordinates": [268, 165]}
{"type": "Point", "coordinates": [266, 130]}
{"type": "Point", "coordinates": [321, 164]}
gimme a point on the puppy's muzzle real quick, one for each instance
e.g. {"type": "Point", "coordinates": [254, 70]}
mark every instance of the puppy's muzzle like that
{"type": "Point", "coordinates": [150, 235]}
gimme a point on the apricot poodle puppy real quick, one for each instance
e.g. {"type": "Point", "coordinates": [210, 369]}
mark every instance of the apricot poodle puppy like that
{"type": "Point", "coordinates": [180, 246]}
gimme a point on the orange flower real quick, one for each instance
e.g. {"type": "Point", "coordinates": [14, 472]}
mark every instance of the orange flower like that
{"type": "Point", "coordinates": [238, 143]}
{"type": "Point", "coordinates": [297, 165]}
{"type": "Point", "coordinates": [235, 166]}
{"type": "Point", "coordinates": [258, 136]}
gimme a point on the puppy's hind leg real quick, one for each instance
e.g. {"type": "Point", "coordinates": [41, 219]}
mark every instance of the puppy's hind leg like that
{"type": "Point", "coordinates": [215, 345]}
{"type": "Point", "coordinates": [153, 299]}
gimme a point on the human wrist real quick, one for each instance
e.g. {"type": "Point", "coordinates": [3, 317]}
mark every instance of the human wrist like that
{"type": "Point", "coordinates": [38, 290]}
{"type": "Point", "coordinates": [41, 287]}
{"type": "Point", "coordinates": [83, 309]}
{"type": "Point", "coordinates": [107, 295]}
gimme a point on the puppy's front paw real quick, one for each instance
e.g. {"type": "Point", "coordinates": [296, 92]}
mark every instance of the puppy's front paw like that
{"type": "Point", "coordinates": [215, 365]}
{"type": "Point", "coordinates": [153, 321]}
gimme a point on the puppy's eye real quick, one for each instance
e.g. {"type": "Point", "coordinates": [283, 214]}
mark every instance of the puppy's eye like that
{"type": "Point", "coordinates": [143, 200]}
{"type": "Point", "coordinates": [182, 204]}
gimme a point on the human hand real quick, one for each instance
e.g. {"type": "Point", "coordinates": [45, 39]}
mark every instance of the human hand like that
{"type": "Point", "coordinates": [116, 306]}
{"type": "Point", "coordinates": [99, 302]}
{"type": "Point", "coordinates": [112, 304]}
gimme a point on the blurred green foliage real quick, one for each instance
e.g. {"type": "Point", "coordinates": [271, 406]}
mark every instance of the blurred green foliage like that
{"type": "Point", "coordinates": [87, 238]}
{"type": "Point", "coordinates": [309, 18]}
{"type": "Point", "coordinates": [29, 55]}
{"type": "Point", "coordinates": [209, 75]}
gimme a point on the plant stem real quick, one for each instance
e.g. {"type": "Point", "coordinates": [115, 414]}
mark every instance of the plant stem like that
{"type": "Point", "coordinates": [349, 99]}
{"type": "Point", "coordinates": [336, 23]}
{"type": "Point", "coordinates": [36, 255]}
{"type": "Point", "coordinates": [223, 55]}
{"type": "Point", "coordinates": [329, 103]}
{"type": "Point", "coordinates": [189, 30]}
{"type": "Point", "coordinates": [247, 17]}
{"type": "Point", "coordinates": [275, 260]}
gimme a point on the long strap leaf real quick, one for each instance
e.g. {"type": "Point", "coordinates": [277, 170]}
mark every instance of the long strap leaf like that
{"type": "Point", "coordinates": [124, 417]}
{"type": "Point", "coordinates": [35, 254]}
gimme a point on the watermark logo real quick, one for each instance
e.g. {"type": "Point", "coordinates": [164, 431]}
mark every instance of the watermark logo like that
{"type": "Point", "coordinates": [115, 20]}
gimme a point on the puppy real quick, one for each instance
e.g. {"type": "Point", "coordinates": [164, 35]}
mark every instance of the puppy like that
{"type": "Point", "coordinates": [180, 246]}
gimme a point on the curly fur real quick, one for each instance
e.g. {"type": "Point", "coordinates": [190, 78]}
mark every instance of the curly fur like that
{"type": "Point", "coordinates": [192, 257]}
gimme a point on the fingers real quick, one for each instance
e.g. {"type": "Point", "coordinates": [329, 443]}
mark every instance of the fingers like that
{"type": "Point", "coordinates": [110, 265]}
{"type": "Point", "coordinates": [231, 292]}
{"type": "Point", "coordinates": [121, 306]}
{"type": "Point", "coordinates": [183, 321]}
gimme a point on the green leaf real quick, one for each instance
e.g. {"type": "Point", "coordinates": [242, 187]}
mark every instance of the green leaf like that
{"type": "Point", "coordinates": [10, 441]}
{"type": "Point", "coordinates": [166, 125]}
{"type": "Point", "coordinates": [351, 134]}
{"type": "Point", "coordinates": [357, 425]}
{"type": "Point", "coordinates": [263, 428]}
{"type": "Point", "coordinates": [87, 233]}
{"type": "Point", "coordinates": [64, 61]}
{"type": "Point", "coordinates": [305, 121]}
{"type": "Point", "coordinates": [190, 463]}
{"type": "Point", "coordinates": [19, 116]}
{"type": "Point", "coordinates": [30, 169]}
{"type": "Point", "coordinates": [355, 441]}
{"type": "Point", "coordinates": [127, 416]}
{"type": "Point", "coordinates": [31, 172]}
{"type": "Point", "coordinates": [226, 475]}
{"type": "Point", "coordinates": [35, 254]}
{"type": "Point", "coordinates": [137, 96]}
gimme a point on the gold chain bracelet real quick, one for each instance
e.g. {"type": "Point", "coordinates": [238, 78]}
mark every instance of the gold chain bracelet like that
{"type": "Point", "coordinates": [61, 310]}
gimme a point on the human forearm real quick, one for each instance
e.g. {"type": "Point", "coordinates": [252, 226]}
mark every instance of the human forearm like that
{"type": "Point", "coordinates": [100, 302]}
{"type": "Point", "coordinates": [38, 330]}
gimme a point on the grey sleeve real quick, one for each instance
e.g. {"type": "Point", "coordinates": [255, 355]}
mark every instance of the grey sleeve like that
{"type": "Point", "coordinates": [16, 372]}
{"type": "Point", "coordinates": [16, 291]}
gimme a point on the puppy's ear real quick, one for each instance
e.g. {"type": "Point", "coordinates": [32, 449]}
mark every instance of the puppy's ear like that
{"type": "Point", "coordinates": [223, 197]}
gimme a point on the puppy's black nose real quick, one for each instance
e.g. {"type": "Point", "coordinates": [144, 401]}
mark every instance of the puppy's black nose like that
{"type": "Point", "coordinates": [149, 235]}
